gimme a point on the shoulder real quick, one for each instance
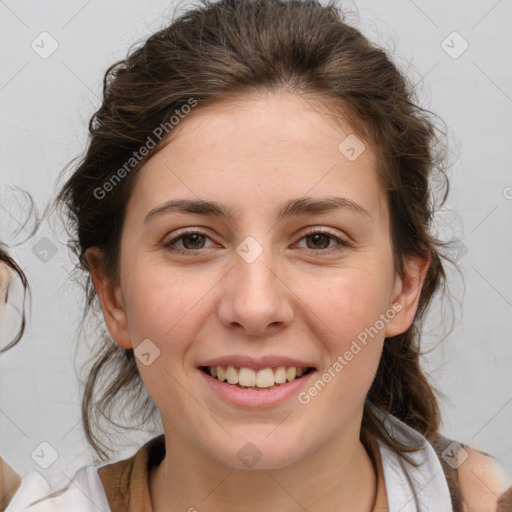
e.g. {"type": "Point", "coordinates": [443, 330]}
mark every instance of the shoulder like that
{"type": "Point", "coordinates": [482, 481]}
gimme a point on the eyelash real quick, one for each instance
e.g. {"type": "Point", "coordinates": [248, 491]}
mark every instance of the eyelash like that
{"type": "Point", "coordinates": [314, 231]}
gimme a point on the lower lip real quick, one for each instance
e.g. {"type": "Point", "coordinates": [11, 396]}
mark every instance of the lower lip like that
{"type": "Point", "coordinates": [254, 398]}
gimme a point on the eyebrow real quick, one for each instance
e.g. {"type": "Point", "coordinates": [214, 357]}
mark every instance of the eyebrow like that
{"type": "Point", "coordinates": [292, 207]}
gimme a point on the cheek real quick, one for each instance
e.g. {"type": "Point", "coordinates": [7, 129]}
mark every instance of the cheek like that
{"type": "Point", "coordinates": [164, 305]}
{"type": "Point", "coordinates": [350, 302]}
{"type": "Point", "coordinates": [164, 311]}
{"type": "Point", "coordinates": [349, 320]}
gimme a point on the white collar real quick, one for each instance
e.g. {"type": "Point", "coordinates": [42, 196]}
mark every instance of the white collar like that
{"type": "Point", "coordinates": [428, 480]}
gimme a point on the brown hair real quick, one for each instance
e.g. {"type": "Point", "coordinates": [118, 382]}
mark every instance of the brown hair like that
{"type": "Point", "coordinates": [218, 50]}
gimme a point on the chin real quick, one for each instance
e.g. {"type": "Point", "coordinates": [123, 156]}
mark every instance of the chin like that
{"type": "Point", "coordinates": [259, 451]}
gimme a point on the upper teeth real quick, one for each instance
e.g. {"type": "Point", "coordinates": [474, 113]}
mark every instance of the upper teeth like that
{"type": "Point", "coordinates": [263, 378]}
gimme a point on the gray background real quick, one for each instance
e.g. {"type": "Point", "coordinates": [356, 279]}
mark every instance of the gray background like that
{"type": "Point", "coordinates": [47, 102]}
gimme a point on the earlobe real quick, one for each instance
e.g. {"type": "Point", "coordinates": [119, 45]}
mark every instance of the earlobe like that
{"type": "Point", "coordinates": [407, 294]}
{"type": "Point", "coordinates": [110, 297]}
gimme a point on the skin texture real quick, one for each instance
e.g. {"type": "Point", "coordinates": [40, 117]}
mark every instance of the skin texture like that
{"type": "Point", "coordinates": [301, 298]}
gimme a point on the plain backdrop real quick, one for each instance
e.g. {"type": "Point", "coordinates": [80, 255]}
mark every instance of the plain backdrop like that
{"type": "Point", "coordinates": [458, 54]}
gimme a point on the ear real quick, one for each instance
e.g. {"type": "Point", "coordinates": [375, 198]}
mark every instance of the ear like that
{"type": "Point", "coordinates": [406, 295]}
{"type": "Point", "coordinates": [111, 298]}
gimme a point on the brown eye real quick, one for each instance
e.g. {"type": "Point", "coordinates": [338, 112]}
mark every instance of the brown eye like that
{"type": "Point", "coordinates": [190, 241]}
{"type": "Point", "coordinates": [319, 241]}
{"type": "Point", "coordinates": [193, 241]}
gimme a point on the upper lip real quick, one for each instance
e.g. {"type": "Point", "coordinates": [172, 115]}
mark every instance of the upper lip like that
{"type": "Point", "coordinates": [256, 363]}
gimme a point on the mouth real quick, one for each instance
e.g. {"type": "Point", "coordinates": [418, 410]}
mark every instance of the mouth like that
{"type": "Point", "coordinates": [264, 380]}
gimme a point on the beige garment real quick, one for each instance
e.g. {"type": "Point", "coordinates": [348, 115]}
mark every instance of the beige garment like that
{"type": "Point", "coordinates": [10, 481]}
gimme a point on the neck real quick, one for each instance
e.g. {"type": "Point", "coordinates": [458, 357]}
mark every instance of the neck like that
{"type": "Point", "coordinates": [339, 476]}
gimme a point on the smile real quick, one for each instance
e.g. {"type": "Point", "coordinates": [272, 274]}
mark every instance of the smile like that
{"type": "Point", "coordinates": [270, 394]}
{"type": "Point", "coordinates": [247, 378]}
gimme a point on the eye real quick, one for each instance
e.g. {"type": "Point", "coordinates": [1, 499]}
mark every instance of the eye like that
{"type": "Point", "coordinates": [321, 239]}
{"type": "Point", "coordinates": [191, 240]}
{"type": "Point", "coordinates": [194, 240]}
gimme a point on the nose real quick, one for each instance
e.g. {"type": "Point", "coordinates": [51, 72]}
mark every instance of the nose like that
{"type": "Point", "coordinates": [254, 296]}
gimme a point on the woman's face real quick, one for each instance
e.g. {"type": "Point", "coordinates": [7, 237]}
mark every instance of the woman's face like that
{"type": "Point", "coordinates": [256, 284]}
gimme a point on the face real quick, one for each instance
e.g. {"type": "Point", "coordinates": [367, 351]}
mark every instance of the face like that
{"type": "Point", "coordinates": [306, 286]}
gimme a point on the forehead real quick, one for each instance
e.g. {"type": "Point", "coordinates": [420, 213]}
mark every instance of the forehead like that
{"type": "Point", "coordinates": [270, 120]}
{"type": "Point", "coordinates": [258, 149]}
